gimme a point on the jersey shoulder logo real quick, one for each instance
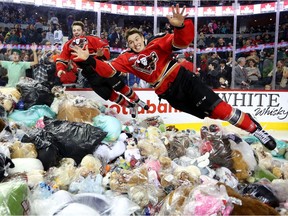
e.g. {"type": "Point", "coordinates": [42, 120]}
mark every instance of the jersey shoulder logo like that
{"type": "Point", "coordinates": [146, 64]}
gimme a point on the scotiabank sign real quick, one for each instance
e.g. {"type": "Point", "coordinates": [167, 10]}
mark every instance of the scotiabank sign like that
{"type": "Point", "coordinates": [267, 106]}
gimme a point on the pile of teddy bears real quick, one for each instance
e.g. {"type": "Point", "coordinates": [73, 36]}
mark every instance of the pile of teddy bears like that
{"type": "Point", "coordinates": [140, 167]}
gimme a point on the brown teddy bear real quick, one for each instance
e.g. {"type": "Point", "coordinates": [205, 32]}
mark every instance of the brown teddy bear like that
{"type": "Point", "coordinates": [124, 179]}
{"type": "Point", "coordinates": [250, 206]}
{"type": "Point", "coordinates": [23, 150]}
{"type": "Point", "coordinates": [240, 167]}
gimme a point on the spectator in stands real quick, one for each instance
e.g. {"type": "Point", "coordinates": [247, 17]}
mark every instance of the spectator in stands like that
{"type": "Point", "coordinates": [27, 58]}
{"type": "Point", "coordinates": [30, 34]}
{"type": "Point", "coordinates": [254, 56]}
{"type": "Point", "coordinates": [241, 76]}
{"type": "Point", "coordinates": [69, 22]}
{"type": "Point", "coordinates": [214, 57]}
{"type": "Point", "coordinates": [12, 37]}
{"type": "Point", "coordinates": [53, 21]}
{"type": "Point", "coordinates": [45, 70]}
{"type": "Point", "coordinates": [50, 35]}
{"type": "Point", "coordinates": [58, 35]}
{"type": "Point", "coordinates": [221, 44]}
{"type": "Point", "coordinates": [253, 72]}
{"type": "Point", "coordinates": [225, 73]}
{"type": "Point", "coordinates": [182, 89]}
{"type": "Point", "coordinates": [201, 43]}
{"type": "Point", "coordinates": [104, 36]}
{"type": "Point", "coordinates": [213, 75]}
{"type": "Point", "coordinates": [203, 68]}
{"type": "Point", "coordinates": [114, 35]}
{"type": "Point", "coordinates": [268, 60]}
{"type": "Point", "coordinates": [16, 68]}
{"type": "Point", "coordinates": [281, 76]}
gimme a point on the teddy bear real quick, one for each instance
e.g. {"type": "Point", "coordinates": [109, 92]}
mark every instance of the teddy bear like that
{"type": "Point", "coordinates": [7, 103]}
{"type": "Point", "coordinates": [240, 167]}
{"type": "Point", "coordinates": [264, 157]}
{"type": "Point", "coordinates": [79, 109]}
{"type": "Point", "coordinates": [89, 165]}
{"type": "Point", "coordinates": [122, 180]}
{"type": "Point", "coordinates": [132, 152]}
{"type": "Point", "coordinates": [153, 148]}
{"type": "Point", "coordinates": [173, 203]}
{"type": "Point", "coordinates": [248, 205]}
{"type": "Point", "coordinates": [23, 150]}
{"type": "Point", "coordinates": [62, 176]}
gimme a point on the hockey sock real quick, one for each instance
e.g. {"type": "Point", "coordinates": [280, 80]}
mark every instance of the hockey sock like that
{"type": "Point", "coordinates": [129, 93]}
{"type": "Point", "coordinates": [119, 99]}
{"type": "Point", "coordinates": [234, 116]}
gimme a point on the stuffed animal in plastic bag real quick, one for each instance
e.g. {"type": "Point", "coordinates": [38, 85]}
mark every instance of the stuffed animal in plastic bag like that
{"type": "Point", "coordinates": [110, 151]}
{"type": "Point", "coordinates": [153, 148]}
{"type": "Point", "coordinates": [122, 180]}
{"type": "Point", "coordinates": [89, 165]}
{"type": "Point", "coordinates": [7, 103]}
{"type": "Point", "coordinates": [132, 152]}
{"type": "Point", "coordinates": [217, 145]}
{"type": "Point", "coordinates": [174, 201]}
{"type": "Point", "coordinates": [63, 175]}
{"type": "Point", "coordinates": [23, 150]}
{"type": "Point", "coordinates": [248, 205]}
{"type": "Point", "coordinates": [240, 167]}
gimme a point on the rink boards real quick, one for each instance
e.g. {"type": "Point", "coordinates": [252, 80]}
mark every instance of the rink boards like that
{"type": "Point", "coordinates": [269, 107]}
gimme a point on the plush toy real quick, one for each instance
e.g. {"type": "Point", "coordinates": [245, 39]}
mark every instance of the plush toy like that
{"type": "Point", "coordinates": [7, 102]}
{"type": "Point", "coordinates": [110, 151]}
{"type": "Point", "coordinates": [23, 150]}
{"type": "Point", "coordinates": [73, 108]}
{"type": "Point", "coordinates": [26, 165]}
{"type": "Point", "coordinates": [225, 176]}
{"type": "Point", "coordinates": [153, 148]}
{"type": "Point", "coordinates": [248, 205]}
{"type": "Point", "coordinates": [62, 176]}
{"type": "Point", "coordinates": [11, 92]}
{"type": "Point", "coordinates": [89, 165]}
{"type": "Point", "coordinates": [240, 167]}
{"type": "Point", "coordinates": [176, 147]}
{"type": "Point", "coordinates": [124, 179]}
{"type": "Point", "coordinates": [186, 173]}
{"type": "Point", "coordinates": [279, 189]}
{"type": "Point", "coordinates": [285, 170]}
{"type": "Point", "coordinates": [174, 201]}
{"type": "Point", "coordinates": [132, 152]}
{"type": "Point", "coordinates": [106, 180]}
{"type": "Point", "coordinates": [264, 157]}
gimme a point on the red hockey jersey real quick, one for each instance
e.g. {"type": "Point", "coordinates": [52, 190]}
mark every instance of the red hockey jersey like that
{"type": "Point", "coordinates": [93, 42]}
{"type": "Point", "coordinates": [154, 64]}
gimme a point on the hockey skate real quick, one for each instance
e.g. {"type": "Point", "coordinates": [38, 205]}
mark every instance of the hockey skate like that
{"type": "Point", "coordinates": [133, 110]}
{"type": "Point", "coordinates": [142, 104]}
{"type": "Point", "coordinates": [266, 139]}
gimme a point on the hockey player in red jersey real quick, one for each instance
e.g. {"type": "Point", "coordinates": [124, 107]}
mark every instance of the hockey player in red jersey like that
{"type": "Point", "coordinates": [183, 90]}
{"type": "Point", "coordinates": [104, 87]}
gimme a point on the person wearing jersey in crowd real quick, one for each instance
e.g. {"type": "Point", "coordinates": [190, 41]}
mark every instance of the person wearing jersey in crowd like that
{"type": "Point", "coordinates": [154, 63]}
{"type": "Point", "coordinates": [104, 87]}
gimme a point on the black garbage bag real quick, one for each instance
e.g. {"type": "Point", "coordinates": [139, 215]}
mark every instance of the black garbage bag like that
{"type": "Point", "coordinates": [47, 152]}
{"type": "Point", "coordinates": [5, 163]}
{"type": "Point", "coordinates": [260, 192]}
{"type": "Point", "coordinates": [74, 139]}
{"type": "Point", "coordinates": [35, 93]}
